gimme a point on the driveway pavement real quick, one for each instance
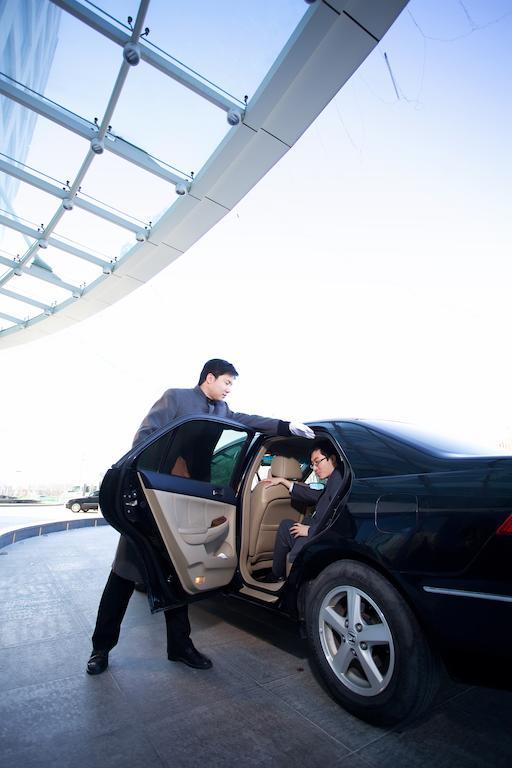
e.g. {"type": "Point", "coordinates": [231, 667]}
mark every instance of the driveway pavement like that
{"type": "Point", "coordinates": [260, 705]}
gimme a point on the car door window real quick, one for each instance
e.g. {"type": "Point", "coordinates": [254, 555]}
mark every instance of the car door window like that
{"type": "Point", "coordinates": [151, 457]}
{"type": "Point", "coordinates": [198, 450]}
{"type": "Point", "coordinates": [314, 481]}
{"type": "Point", "coordinates": [372, 454]}
{"type": "Point", "coordinates": [225, 457]}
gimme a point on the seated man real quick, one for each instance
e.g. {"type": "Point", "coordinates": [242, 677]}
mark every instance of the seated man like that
{"type": "Point", "coordinates": [291, 536]}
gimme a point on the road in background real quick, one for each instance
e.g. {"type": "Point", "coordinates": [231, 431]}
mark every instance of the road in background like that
{"type": "Point", "coordinates": [14, 516]}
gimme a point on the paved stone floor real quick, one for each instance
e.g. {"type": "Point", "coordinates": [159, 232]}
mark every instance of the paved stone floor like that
{"type": "Point", "coordinates": [260, 704]}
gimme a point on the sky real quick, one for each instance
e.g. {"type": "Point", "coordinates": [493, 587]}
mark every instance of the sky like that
{"type": "Point", "coordinates": [367, 275]}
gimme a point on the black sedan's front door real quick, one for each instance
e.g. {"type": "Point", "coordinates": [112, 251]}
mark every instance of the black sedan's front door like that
{"type": "Point", "coordinates": [183, 488]}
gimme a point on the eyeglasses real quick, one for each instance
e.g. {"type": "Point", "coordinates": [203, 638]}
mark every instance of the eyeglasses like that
{"type": "Point", "coordinates": [315, 464]}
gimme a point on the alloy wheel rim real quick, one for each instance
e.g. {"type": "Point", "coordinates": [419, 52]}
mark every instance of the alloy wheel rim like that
{"type": "Point", "coordinates": [356, 640]}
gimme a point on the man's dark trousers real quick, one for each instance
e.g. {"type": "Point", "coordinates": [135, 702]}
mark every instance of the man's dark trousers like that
{"type": "Point", "coordinates": [286, 544]}
{"type": "Point", "coordinates": [113, 605]}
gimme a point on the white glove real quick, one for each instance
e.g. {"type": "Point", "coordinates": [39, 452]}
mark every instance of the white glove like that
{"type": "Point", "coordinates": [301, 430]}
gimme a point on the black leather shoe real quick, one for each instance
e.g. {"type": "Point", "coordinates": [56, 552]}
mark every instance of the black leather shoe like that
{"type": "Point", "coordinates": [97, 663]}
{"type": "Point", "coordinates": [191, 657]}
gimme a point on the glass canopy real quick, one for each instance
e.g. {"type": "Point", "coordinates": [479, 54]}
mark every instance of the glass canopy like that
{"type": "Point", "coordinates": [125, 138]}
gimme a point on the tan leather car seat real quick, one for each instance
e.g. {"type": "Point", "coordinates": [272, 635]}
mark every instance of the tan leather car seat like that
{"type": "Point", "coordinates": [270, 505]}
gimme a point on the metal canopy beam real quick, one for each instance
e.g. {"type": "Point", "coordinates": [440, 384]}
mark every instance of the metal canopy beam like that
{"type": "Point", "coordinates": [85, 129]}
{"type": "Point", "coordinates": [62, 246]}
{"type": "Point", "coordinates": [40, 274]}
{"type": "Point", "coordinates": [52, 189]}
{"type": "Point", "coordinates": [49, 277]}
{"type": "Point", "coordinates": [11, 319]}
{"type": "Point", "coordinates": [180, 74]}
{"type": "Point", "coordinates": [24, 299]}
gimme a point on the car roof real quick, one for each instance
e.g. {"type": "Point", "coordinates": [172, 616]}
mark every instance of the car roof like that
{"type": "Point", "coordinates": [437, 443]}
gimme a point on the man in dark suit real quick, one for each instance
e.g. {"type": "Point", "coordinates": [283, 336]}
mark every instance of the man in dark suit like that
{"type": "Point", "coordinates": [291, 535]}
{"type": "Point", "coordinates": [215, 383]}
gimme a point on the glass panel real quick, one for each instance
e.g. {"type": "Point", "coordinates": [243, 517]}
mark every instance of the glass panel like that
{"type": "Point", "coordinates": [4, 324]}
{"type": "Point", "coordinates": [199, 450]}
{"type": "Point", "coordinates": [54, 150]}
{"type": "Point", "coordinates": [152, 456]}
{"type": "Point", "coordinates": [13, 243]}
{"type": "Point", "coordinates": [373, 455]}
{"type": "Point", "coordinates": [17, 309]}
{"type": "Point", "coordinates": [314, 481]}
{"type": "Point", "coordinates": [128, 188]}
{"type": "Point", "coordinates": [39, 290]}
{"type": "Point", "coordinates": [84, 69]}
{"type": "Point", "coordinates": [221, 40]}
{"type": "Point", "coordinates": [225, 456]}
{"type": "Point", "coordinates": [94, 234]}
{"type": "Point", "coordinates": [192, 451]}
{"type": "Point", "coordinates": [174, 124]}
{"type": "Point", "coordinates": [33, 206]}
{"type": "Point", "coordinates": [69, 268]}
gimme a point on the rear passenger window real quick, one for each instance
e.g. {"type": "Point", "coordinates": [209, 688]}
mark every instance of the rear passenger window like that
{"type": "Point", "coordinates": [372, 455]}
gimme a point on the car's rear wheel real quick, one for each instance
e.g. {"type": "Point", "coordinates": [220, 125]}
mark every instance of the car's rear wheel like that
{"type": "Point", "coordinates": [76, 507]}
{"type": "Point", "coordinates": [368, 645]}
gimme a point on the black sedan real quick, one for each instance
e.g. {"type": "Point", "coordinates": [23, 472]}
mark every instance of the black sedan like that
{"type": "Point", "coordinates": [411, 566]}
{"type": "Point", "coordinates": [85, 503]}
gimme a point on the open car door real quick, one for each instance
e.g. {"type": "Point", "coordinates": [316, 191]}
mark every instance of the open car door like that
{"type": "Point", "coordinates": [175, 498]}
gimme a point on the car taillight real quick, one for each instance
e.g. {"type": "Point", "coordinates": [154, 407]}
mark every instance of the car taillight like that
{"type": "Point", "coordinates": [505, 528]}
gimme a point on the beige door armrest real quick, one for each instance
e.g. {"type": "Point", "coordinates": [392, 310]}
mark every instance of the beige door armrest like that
{"type": "Point", "coordinates": [205, 535]}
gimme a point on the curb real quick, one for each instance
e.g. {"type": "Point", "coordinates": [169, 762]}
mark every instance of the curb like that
{"type": "Point", "coordinates": [11, 537]}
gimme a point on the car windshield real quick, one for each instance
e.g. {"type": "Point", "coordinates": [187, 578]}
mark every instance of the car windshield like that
{"type": "Point", "coordinates": [438, 443]}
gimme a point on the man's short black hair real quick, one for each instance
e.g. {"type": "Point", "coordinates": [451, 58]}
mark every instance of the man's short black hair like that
{"type": "Point", "coordinates": [218, 368]}
{"type": "Point", "coordinates": [325, 447]}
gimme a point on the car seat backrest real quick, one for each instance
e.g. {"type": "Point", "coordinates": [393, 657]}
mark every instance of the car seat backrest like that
{"type": "Point", "coordinates": [270, 505]}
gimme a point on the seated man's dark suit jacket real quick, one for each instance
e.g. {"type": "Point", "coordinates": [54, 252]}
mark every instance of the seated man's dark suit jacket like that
{"type": "Point", "coordinates": [322, 501]}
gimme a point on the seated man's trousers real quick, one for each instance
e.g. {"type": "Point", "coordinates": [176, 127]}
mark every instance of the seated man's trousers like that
{"type": "Point", "coordinates": [286, 544]}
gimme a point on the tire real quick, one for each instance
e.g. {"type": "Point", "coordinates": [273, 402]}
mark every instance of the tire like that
{"type": "Point", "coordinates": [76, 507]}
{"type": "Point", "coordinates": [368, 646]}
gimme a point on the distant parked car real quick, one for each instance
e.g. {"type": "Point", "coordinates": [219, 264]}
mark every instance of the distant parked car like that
{"type": "Point", "coordinates": [84, 504]}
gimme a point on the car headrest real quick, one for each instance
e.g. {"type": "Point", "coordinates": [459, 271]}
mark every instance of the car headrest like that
{"type": "Point", "coordinates": [284, 467]}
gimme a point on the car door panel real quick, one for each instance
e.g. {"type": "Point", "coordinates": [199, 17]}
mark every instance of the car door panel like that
{"type": "Point", "coordinates": [203, 554]}
{"type": "Point", "coordinates": [196, 515]}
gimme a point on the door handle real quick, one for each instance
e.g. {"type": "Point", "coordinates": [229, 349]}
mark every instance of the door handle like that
{"type": "Point", "coordinates": [218, 492]}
